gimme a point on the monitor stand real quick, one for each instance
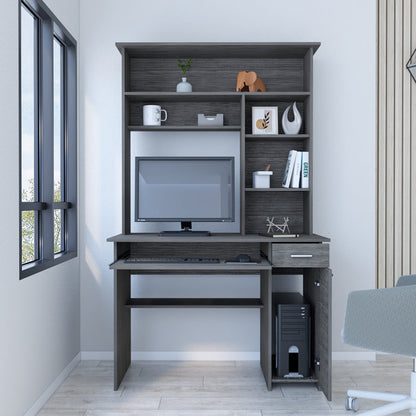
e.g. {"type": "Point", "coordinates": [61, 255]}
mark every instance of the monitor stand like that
{"type": "Point", "coordinates": [185, 232]}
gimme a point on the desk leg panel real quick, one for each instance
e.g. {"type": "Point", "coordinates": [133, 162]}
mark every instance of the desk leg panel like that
{"type": "Point", "coordinates": [266, 326]}
{"type": "Point", "coordinates": [122, 325]}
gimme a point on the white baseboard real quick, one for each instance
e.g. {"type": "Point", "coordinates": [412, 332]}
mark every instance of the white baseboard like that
{"type": "Point", "coordinates": [354, 356]}
{"type": "Point", "coordinates": [53, 387]}
{"type": "Point", "coordinates": [177, 355]}
{"type": "Point", "coordinates": [97, 355]}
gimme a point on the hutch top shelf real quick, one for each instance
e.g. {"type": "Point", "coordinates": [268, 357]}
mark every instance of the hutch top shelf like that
{"type": "Point", "coordinates": [218, 50]}
{"type": "Point", "coordinates": [152, 68]}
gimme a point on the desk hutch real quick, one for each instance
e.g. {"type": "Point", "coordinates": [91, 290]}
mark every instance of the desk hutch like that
{"type": "Point", "coordinates": [150, 75]}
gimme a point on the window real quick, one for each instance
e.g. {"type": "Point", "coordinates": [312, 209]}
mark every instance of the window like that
{"type": "Point", "coordinates": [48, 226]}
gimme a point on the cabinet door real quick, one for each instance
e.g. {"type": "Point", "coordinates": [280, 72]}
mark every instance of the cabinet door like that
{"type": "Point", "coordinates": [317, 288]}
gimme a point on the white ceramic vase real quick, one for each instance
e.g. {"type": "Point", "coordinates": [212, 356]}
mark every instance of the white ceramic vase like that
{"type": "Point", "coordinates": [291, 127]}
{"type": "Point", "coordinates": [184, 86]}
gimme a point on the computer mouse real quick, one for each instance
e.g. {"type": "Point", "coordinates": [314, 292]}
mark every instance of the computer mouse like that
{"type": "Point", "coordinates": [243, 258]}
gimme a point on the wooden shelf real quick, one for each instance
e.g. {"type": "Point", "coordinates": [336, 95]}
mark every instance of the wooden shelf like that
{"type": "Point", "coordinates": [221, 96]}
{"type": "Point", "coordinates": [184, 128]}
{"type": "Point", "coordinates": [277, 96]}
{"type": "Point", "coordinates": [277, 189]}
{"type": "Point", "coordinates": [294, 380]}
{"type": "Point", "coordinates": [194, 303]}
{"type": "Point", "coordinates": [169, 96]}
{"type": "Point", "coordinates": [277, 137]}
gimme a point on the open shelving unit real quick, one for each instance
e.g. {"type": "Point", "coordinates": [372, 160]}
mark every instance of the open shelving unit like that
{"type": "Point", "coordinates": [150, 76]}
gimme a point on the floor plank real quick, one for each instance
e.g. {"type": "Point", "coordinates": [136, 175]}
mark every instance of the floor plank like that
{"type": "Point", "coordinates": [233, 388]}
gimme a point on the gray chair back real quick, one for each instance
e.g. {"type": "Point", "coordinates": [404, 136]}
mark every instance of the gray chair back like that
{"type": "Point", "coordinates": [383, 319]}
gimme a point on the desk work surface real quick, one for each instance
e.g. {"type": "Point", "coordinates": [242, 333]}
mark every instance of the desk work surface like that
{"type": "Point", "coordinates": [216, 238]}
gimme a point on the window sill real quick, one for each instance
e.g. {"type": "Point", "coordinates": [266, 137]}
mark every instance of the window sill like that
{"type": "Point", "coordinates": [40, 265]}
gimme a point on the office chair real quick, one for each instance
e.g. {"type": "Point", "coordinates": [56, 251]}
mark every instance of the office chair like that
{"type": "Point", "coordinates": [384, 320]}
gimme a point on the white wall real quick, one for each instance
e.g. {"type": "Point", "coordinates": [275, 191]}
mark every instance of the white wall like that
{"type": "Point", "coordinates": [201, 144]}
{"type": "Point", "coordinates": [39, 316]}
{"type": "Point", "coordinates": [344, 165]}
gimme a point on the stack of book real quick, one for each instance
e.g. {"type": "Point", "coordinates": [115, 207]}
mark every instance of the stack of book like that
{"type": "Point", "coordinates": [297, 170]}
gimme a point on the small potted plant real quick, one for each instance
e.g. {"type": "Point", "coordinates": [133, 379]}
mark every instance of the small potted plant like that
{"type": "Point", "coordinates": [184, 65]}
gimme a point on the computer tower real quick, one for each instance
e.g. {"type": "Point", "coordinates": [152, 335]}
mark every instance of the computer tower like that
{"type": "Point", "coordinates": [293, 335]}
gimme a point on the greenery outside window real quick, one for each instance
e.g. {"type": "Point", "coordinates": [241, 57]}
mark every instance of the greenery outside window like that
{"type": "Point", "coordinates": [48, 125]}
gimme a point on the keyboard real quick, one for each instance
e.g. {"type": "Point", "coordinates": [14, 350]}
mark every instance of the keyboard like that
{"type": "Point", "coordinates": [177, 260]}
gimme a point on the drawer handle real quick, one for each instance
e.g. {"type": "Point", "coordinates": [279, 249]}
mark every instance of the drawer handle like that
{"type": "Point", "coordinates": [301, 256]}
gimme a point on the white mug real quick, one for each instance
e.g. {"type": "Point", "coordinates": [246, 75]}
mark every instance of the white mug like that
{"type": "Point", "coordinates": [152, 115]}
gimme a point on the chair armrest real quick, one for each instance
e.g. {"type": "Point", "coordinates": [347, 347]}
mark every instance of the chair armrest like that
{"type": "Point", "coordinates": [382, 320]}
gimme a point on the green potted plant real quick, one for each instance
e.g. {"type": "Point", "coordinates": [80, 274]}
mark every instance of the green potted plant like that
{"type": "Point", "coordinates": [184, 65]}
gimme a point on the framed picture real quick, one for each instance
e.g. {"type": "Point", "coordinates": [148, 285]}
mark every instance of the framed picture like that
{"type": "Point", "coordinates": [265, 120]}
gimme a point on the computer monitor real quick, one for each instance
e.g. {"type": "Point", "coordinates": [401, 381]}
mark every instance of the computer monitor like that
{"type": "Point", "coordinates": [184, 189]}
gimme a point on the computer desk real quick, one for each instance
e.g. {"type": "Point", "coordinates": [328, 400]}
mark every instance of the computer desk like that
{"type": "Point", "coordinates": [307, 255]}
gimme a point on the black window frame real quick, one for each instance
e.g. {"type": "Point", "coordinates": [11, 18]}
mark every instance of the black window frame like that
{"type": "Point", "coordinates": [49, 28]}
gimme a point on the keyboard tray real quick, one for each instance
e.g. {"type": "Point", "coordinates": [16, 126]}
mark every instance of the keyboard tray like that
{"type": "Point", "coordinates": [171, 260]}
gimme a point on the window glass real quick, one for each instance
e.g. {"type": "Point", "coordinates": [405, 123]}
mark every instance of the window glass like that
{"type": "Point", "coordinates": [29, 236]}
{"type": "Point", "coordinates": [58, 148]}
{"type": "Point", "coordinates": [58, 119]}
{"type": "Point", "coordinates": [28, 75]}
{"type": "Point", "coordinates": [58, 220]}
{"type": "Point", "coordinates": [29, 138]}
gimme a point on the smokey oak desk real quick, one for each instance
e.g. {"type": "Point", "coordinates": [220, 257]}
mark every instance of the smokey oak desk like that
{"type": "Point", "coordinates": [306, 255]}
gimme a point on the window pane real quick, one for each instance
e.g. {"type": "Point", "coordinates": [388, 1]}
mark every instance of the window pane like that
{"type": "Point", "coordinates": [29, 236]}
{"type": "Point", "coordinates": [58, 227]}
{"type": "Point", "coordinates": [58, 120]}
{"type": "Point", "coordinates": [28, 105]}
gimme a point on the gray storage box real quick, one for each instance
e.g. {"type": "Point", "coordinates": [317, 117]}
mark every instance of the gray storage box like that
{"type": "Point", "coordinates": [210, 121]}
{"type": "Point", "coordinates": [293, 337]}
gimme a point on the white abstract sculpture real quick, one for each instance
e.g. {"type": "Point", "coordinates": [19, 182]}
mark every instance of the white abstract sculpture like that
{"type": "Point", "coordinates": [272, 226]}
{"type": "Point", "coordinates": [291, 127]}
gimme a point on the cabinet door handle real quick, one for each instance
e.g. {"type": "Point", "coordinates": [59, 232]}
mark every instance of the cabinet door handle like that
{"type": "Point", "coordinates": [301, 256]}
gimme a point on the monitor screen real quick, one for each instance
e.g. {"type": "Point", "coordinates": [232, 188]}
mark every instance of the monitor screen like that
{"type": "Point", "coordinates": [184, 189]}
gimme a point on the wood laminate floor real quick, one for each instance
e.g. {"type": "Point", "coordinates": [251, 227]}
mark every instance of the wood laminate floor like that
{"type": "Point", "coordinates": [231, 388]}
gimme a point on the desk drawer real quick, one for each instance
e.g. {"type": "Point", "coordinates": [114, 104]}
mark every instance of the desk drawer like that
{"type": "Point", "coordinates": [300, 255]}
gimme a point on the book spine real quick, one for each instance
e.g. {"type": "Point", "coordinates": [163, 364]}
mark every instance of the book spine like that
{"type": "Point", "coordinates": [305, 170]}
{"type": "Point", "coordinates": [289, 168]}
{"type": "Point", "coordinates": [296, 171]}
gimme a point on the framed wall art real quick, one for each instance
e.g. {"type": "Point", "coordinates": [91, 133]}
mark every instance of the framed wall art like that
{"type": "Point", "coordinates": [265, 120]}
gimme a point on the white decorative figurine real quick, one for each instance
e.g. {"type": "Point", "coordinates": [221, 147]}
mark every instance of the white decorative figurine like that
{"type": "Point", "coordinates": [277, 227]}
{"type": "Point", "coordinates": [291, 127]}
